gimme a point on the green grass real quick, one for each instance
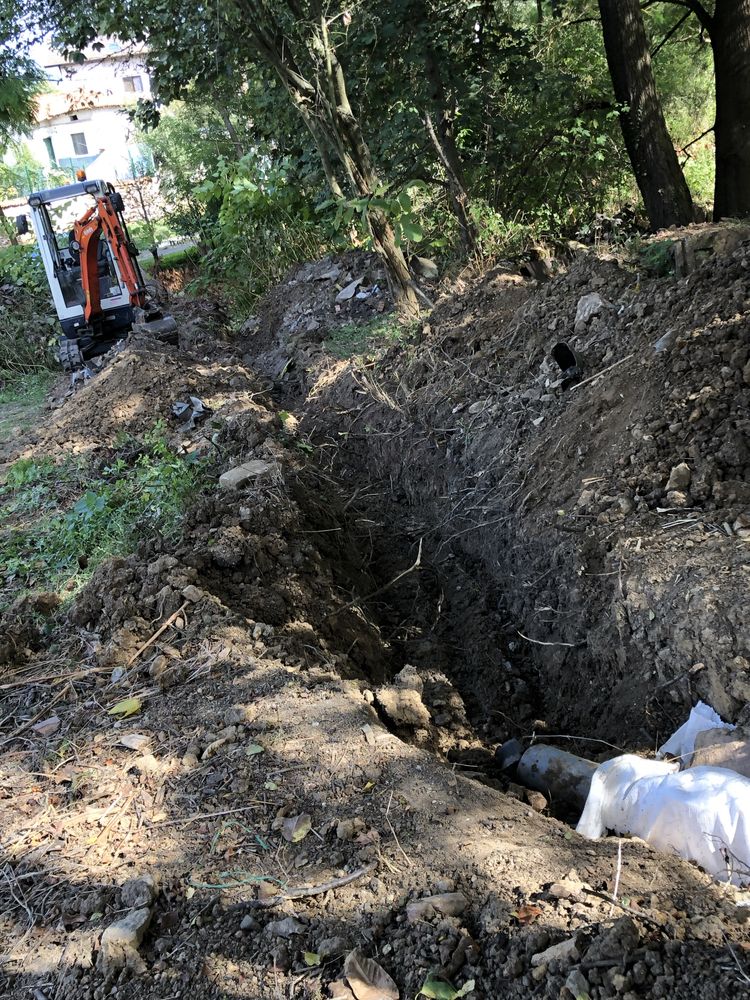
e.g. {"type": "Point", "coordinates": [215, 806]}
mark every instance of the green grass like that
{"type": "Point", "coordinates": [177, 259]}
{"type": "Point", "coordinates": [27, 388]}
{"type": "Point", "coordinates": [60, 521]}
{"type": "Point", "coordinates": [368, 338]}
{"type": "Point", "coordinates": [21, 399]}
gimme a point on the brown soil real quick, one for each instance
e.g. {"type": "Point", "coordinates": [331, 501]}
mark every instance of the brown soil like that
{"type": "Point", "coordinates": [438, 523]}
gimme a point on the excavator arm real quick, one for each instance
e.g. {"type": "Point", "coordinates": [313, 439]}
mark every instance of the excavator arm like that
{"type": "Point", "coordinates": [102, 218]}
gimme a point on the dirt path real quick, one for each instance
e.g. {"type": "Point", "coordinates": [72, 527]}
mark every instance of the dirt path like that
{"type": "Point", "coordinates": [313, 704]}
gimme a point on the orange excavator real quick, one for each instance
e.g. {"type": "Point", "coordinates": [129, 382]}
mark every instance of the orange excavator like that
{"type": "Point", "coordinates": [96, 282]}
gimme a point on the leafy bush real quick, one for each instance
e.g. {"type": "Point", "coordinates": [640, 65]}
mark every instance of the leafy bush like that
{"type": "Point", "coordinates": [22, 265]}
{"type": "Point", "coordinates": [62, 524]}
{"type": "Point", "coordinates": [263, 228]}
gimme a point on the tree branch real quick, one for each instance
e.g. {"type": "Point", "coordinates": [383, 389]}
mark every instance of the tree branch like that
{"type": "Point", "coordinates": [695, 7]}
{"type": "Point", "coordinates": [675, 27]}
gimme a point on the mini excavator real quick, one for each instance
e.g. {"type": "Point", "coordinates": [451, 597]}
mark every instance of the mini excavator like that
{"type": "Point", "coordinates": [92, 268]}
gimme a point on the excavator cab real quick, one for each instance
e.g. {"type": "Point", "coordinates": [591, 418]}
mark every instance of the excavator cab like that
{"type": "Point", "coordinates": [92, 269]}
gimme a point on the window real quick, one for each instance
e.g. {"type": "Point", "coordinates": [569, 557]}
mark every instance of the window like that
{"type": "Point", "coordinates": [79, 144]}
{"type": "Point", "coordinates": [50, 151]}
{"type": "Point", "coordinates": [133, 85]}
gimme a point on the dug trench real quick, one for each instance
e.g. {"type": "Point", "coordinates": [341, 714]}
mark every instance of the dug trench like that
{"type": "Point", "coordinates": [326, 657]}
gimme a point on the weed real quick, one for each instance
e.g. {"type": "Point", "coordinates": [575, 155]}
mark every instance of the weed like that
{"type": "Point", "coordinates": [368, 338]}
{"type": "Point", "coordinates": [62, 523]}
{"type": "Point", "coordinates": [655, 258]}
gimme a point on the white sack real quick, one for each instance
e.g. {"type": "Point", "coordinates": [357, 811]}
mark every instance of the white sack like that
{"type": "Point", "coordinates": [682, 743]}
{"type": "Point", "coordinates": [702, 814]}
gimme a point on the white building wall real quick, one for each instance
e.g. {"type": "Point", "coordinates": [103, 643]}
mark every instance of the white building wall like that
{"type": "Point", "coordinates": [102, 128]}
{"type": "Point", "coordinates": [106, 74]}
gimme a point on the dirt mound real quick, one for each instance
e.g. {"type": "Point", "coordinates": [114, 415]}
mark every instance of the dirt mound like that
{"type": "Point", "coordinates": [137, 387]}
{"type": "Point", "coordinates": [312, 301]}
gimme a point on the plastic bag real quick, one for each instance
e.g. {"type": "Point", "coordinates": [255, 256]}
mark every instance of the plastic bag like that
{"type": "Point", "coordinates": [682, 743]}
{"type": "Point", "coordinates": [702, 814]}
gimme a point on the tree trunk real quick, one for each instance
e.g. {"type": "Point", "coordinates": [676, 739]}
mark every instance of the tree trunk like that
{"type": "Point", "coordinates": [355, 155]}
{"type": "Point", "coordinates": [730, 40]}
{"type": "Point", "coordinates": [443, 138]}
{"type": "Point", "coordinates": [232, 132]}
{"type": "Point", "coordinates": [652, 154]}
{"type": "Point", "coordinates": [323, 103]}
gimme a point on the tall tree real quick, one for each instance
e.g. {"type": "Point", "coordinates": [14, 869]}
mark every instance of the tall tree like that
{"type": "Point", "coordinates": [728, 27]}
{"type": "Point", "coordinates": [729, 30]}
{"type": "Point", "coordinates": [654, 159]}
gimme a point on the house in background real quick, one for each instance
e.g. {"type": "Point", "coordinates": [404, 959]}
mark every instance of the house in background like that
{"type": "Point", "coordinates": [82, 120]}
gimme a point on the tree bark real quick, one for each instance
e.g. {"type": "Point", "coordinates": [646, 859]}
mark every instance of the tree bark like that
{"type": "Point", "coordinates": [652, 154]}
{"type": "Point", "coordinates": [323, 103]}
{"type": "Point", "coordinates": [730, 41]}
{"type": "Point", "coordinates": [443, 138]}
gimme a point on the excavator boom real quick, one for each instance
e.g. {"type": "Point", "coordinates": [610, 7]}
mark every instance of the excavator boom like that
{"type": "Point", "coordinates": [87, 231]}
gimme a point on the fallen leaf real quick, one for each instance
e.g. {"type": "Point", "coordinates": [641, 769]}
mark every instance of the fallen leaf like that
{"type": "Point", "coordinates": [126, 707]}
{"type": "Point", "coordinates": [47, 726]}
{"type": "Point", "coordinates": [253, 748]}
{"type": "Point", "coordinates": [134, 741]}
{"type": "Point", "coordinates": [527, 913]}
{"type": "Point", "coordinates": [439, 989]}
{"type": "Point", "coordinates": [311, 958]}
{"type": "Point", "coordinates": [368, 980]}
{"type": "Point", "coordinates": [340, 991]}
{"type": "Point", "coordinates": [296, 828]}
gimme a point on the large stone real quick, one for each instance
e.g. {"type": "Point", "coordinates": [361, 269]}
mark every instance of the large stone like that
{"type": "Point", "coordinates": [680, 477]}
{"type": "Point", "coordinates": [565, 951]}
{"type": "Point", "coordinates": [121, 941]}
{"type": "Point", "coordinates": [347, 292]}
{"type": "Point", "coordinates": [403, 706]}
{"type": "Point", "coordinates": [139, 892]}
{"type": "Point", "coordinates": [408, 677]}
{"type": "Point", "coordinates": [241, 474]}
{"type": "Point", "coordinates": [588, 306]}
{"type": "Point", "coordinates": [449, 904]}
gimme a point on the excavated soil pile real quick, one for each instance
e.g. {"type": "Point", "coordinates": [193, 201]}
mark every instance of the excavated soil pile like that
{"type": "Point", "coordinates": [224, 762]}
{"type": "Point", "coordinates": [605, 518]}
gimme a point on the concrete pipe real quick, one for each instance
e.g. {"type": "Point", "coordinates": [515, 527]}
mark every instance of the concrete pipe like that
{"type": "Point", "coordinates": [563, 777]}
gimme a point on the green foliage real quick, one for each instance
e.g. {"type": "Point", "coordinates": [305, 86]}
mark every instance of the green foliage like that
{"type": "Point", "coordinates": [145, 234]}
{"type": "Point", "coordinates": [522, 87]}
{"type": "Point", "coordinates": [369, 338]}
{"type": "Point", "coordinates": [655, 257]}
{"type": "Point", "coordinates": [28, 327]}
{"type": "Point", "coordinates": [399, 208]}
{"type": "Point", "coordinates": [61, 521]}
{"type": "Point", "coordinates": [22, 265]}
{"type": "Point", "coordinates": [20, 81]}
{"type": "Point", "coordinates": [263, 227]}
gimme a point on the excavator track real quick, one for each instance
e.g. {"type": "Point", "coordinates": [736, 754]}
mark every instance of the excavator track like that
{"type": "Point", "coordinates": [69, 354]}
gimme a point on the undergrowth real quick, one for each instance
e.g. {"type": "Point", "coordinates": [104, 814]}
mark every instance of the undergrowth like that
{"type": "Point", "coordinates": [27, 321]}
{"type": "Point", "coordinates": [367, 338]}
{"type": "Point", "coordinates": [28, 388]}
{"type": "Point", "coordinates": [61, 521]}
